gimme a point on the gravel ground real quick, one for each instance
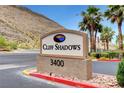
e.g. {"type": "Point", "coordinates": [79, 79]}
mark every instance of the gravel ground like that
{"type": "Point", "coordinates": [102, 80]}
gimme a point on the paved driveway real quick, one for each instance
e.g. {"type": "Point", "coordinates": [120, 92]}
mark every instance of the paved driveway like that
{"type": "Point", "coordinates": [12, 64]}
{"type": "Point", "coordinates": [109, 68]}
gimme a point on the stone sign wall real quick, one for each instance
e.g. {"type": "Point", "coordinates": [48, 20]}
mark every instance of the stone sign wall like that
{"type": "Point", "coordinates": [65, 52]}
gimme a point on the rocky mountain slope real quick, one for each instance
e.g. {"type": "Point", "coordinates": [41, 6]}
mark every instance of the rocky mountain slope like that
{"type": "Point", "coordinates": [24, 26]}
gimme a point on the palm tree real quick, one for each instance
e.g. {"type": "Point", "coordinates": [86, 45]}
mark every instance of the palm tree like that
{"type": "Point", "coordinates": [106, 36]}
{"type": "Point", "coordinates": [99, 28]}
{"type": "Point", "coordinates": [91, 22]}
{"type": "Point", "coordinates": [117, 39]}
{"type": "Point", "coordinates": [116, 14]}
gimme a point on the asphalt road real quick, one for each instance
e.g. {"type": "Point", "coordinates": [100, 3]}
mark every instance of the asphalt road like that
{"type": "Point", "coordinates": [109, 68]}
{"type": "Point", "coordinates": [11, 65]}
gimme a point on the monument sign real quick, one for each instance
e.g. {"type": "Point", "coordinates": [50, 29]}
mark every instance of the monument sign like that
{"type": "Point", "coordinates": [65, 52]}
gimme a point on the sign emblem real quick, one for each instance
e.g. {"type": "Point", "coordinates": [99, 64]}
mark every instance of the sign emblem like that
{"type": "Point", "coordinates": [59, 38]}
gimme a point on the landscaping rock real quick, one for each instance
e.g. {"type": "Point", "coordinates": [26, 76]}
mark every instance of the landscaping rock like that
{"type": "Point", "coordinates": [102, 80]}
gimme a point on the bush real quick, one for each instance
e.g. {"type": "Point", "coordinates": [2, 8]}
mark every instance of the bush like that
{"type": "Point", "coordinates": [13, 45]}
{"type": "Point", "coordinates": [93, 54]}
{"type": "Point", "coordinates": [120, 74]}
{"type": "Point", "coordinates": [99, 54]}
{"type": "Point", "coordinates": [104, 54]}
{"type": "Point", "coordinates": [104, 58]}
{"type": "Point", "coordinates": [2, 41]}
{"type": "Point", "coordinates": [109, 55]}
{"type": "Point", "coordinates": [113, 55]}
{"type": "Point", "coordinates": [6, 45]}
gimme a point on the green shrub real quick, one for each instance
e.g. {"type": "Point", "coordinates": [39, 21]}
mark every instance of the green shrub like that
{"type": "Point", "coordinates": [7, 45]}
{"type": "Point", "coordinates": [13, 45]}
{"type": "Point", "coordinates": [93, 54]}
{"type": "Point", "coordinates": [2, 41]}
{"type": "Point", "coordinates": [109, 55]}
{"type": "Point", "coordinates": [104, 54]}
{"type": "Point", "coordinates": [120, 74]}
{"type": "Point", "coordinates": [113, 54]}
{"type": "Point", "coordinates": [103, 58]}
{"type": "Point", "coordinates": [99, 54]}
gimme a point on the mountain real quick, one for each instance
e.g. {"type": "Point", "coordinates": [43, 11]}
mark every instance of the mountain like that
{"type": "Point", "coordinates": [24, 26]}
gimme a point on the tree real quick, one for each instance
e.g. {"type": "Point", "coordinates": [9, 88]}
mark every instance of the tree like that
{"type": "Point", "coordinates": [117, 39]}
{"type": "Point", "coordinates": [106, 36]}
{"type": "Point", "coordinates": [91, 23]}
{"type": "Point", "coordinates": [116, 14]}
{"type": "Point", "coordinates": [98, 29]}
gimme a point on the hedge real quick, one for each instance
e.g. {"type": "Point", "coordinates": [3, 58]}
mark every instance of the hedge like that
{"type": "Point", "coordinates": [109, 55]}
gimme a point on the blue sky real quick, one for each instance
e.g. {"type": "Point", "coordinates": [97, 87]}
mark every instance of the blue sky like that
{"type": "Point", "coordinates": [68, 15]}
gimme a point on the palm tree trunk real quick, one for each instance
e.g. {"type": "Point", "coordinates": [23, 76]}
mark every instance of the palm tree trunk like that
{"type": "Point", "coordinates": [95, 41]}
{"type": "Point", "coordinates": [107, 45]}
{"type": "Point", "coordinates": [92, 39]}
{"type": "Point", "coordinates": [120, 37]}
{"type": "Point", "coordinates": [91, 44]}
{"type": "Point", "coordinates": [104, 46]}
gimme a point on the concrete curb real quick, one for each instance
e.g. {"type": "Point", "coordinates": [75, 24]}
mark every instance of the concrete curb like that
{"type": "Point", "coordinates": [32, 72]}
{"type": "Point", "coordinates": [64, 81]}
{"type": "Point", "coordinates": [26, 72]}
{"type": "Point", "coordinates": [116, 60]}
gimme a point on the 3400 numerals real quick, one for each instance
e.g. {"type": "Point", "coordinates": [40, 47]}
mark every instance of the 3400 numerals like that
{"type": "Point", "coordinates": [59, 63]}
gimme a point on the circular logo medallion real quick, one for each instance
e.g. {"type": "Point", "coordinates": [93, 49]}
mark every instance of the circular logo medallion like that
{"type": "Point", "coordinates": [59, 38]}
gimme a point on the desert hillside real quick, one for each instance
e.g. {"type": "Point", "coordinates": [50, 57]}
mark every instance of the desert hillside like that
{"type": "Point", "coordinates": [24, 26]}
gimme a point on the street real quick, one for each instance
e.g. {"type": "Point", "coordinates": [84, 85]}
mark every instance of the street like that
{"type": "Point", "coordinates": [12, 65]}
{"type": "Point", "coordinates": [109, 68]}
